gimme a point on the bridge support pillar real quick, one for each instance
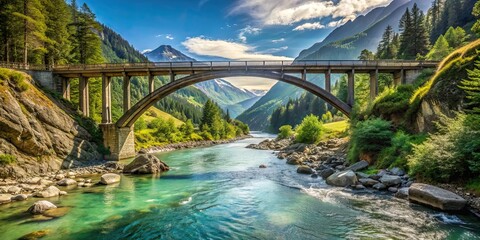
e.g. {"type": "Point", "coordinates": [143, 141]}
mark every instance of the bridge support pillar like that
{"type": "Point", "coordinates": [373, 84]}
{"type": "Point", "coordinates": [84, 100]}
{"type": "Point", "coordinates": [351, 88]}
{"type": "Point", "coordinates": [304, 75]}
{"type": "Point", "coordinates": [399, 77]}
{"type": "Point", "coordinates": [151, 83]}
{"type": "Point", "coordinates": [66, 88]}
{"type": "Point", "coordinates": [120, 141]}
{"type": "Point", "coordinates": [126, 93]}
{"type": "Point", "coordinates": [106, 99]}
{"type": "Point", "coordinates": [328, 80]}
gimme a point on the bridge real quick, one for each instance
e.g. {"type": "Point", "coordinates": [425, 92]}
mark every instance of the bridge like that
{"type": "Point", "coordinates": [119, 137]}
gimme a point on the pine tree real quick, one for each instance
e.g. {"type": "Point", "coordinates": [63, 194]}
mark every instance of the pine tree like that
{"type": "Point", "coordinates": [57, 20]}
{"type": "Point", "coordinates": [86, 41]}
{"type": "Point", "coordinates": [472, 88]}
{"type": "Point", "coordinates": [366, 55]}
{"type": "Point", "coordinates": [414, 38]}
{"type": "Point", "coordinates": [456, 37]}
{"type": "Point", "coordinates": [440, 50]}
{"type": "Point", "coordinates": [386, 48]}
{"type": "Point", "coordinates": [476, 13]}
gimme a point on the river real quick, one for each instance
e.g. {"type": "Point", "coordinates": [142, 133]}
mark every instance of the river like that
{"type": "Point", "coordinates": [220, 192]}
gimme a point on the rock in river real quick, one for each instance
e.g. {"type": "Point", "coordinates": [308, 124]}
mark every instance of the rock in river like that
{"type": "Point", "coordinates": [436, 197]}
{"type": "Point", "coordinates": [51, 191]}
{"type": "Point", "coordinates": [41, 206]}
{"type": "Point", "coordinates": [5, 198]}
{"type": "Point", "coordinates": [358, 166]}
{"type": "Point", "coordinates": [343, 179]}
{"type": "Point", "coordinates": [390, 180]}
{"type": "Point", "coordinates": [110, 178]}
{"type": "Point", "coordinates": [146, 164]}
{"type": "Point", "coordinates": [304, 170]}
{"type": "Point", "coordinates": [66, 182]}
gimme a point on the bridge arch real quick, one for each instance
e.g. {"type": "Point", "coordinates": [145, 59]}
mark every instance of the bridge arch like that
{"type": "Point", "coordinates": [129, 117]}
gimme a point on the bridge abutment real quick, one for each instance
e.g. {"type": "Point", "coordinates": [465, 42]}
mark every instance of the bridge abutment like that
{"type": "Point", "coordinates": [411, 76]}
{"type": "Point", "coordinates": [120, 141]}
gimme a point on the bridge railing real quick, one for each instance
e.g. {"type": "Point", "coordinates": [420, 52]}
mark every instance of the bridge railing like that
{"type": "Point", "coordinates": [222, 64]}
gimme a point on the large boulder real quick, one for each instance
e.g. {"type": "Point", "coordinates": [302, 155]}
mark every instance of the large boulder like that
{"type": "Point", "coordinates": [110, 178]}
{"type": "Point", "coordinates": [343, 179]}
{"type": "Point", "coordinates": [358, 166]}
{"type": "Point", "coordinates": [304, 170]}
{"type": "Point", "coordinates": [390, 180]}
{"type": "Point", "coordinates": [146, 164]}
{"type": "Point", "coordinates": [51, 191]}
{"type": "Point", "coordinates": [325, 173]}
{"type": "Point", "coordinates": [41, 206]}
{"type": "Point", "coordinates": [436, 197]}
{"type": "Point", "coordinates": [66, 182]}
{"type": "Point", "coordinates": [367, 182]}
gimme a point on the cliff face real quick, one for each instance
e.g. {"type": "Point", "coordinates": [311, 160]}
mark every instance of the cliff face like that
{"type": "Point", "coordinates": [40, 134]}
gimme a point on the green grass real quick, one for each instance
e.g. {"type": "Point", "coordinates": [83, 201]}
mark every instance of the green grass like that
{"type": "Point", "coordinates": [335, 129]}
{"type": "Point", "coordinates": [154, 113]}
{"type": "Point", "coordinates": [17, 78]}
{"type": "Point", "coordinates": [370, 171]}
{"type": "Point", "coordinates": [6, 159]}
{"type": "Point", "coordinates": [474, 185]}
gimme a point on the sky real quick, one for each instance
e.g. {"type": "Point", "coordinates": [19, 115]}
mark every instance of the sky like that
{"type": "Point", "coordinates": [229, 29]}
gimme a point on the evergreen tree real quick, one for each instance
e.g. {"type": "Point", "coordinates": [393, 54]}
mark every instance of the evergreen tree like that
{"type": "Point", "coordinates": [86, 41]}
{"type": "Point", "coordinates": [476, 13]}
{"type": "Point", "coordinates": [366, 55]}
{"type": "Point", "coordinates": [472, 88]}
{"type": "Point", "coordinates": [57, 21]}
{"type": "Point", "coordinates": [414, 38]}
{"type": "Point", "coordinates": [386, 48]}
{"type": "Point", "coordinates": [440, 50]}
{"type": "Point", "coordinates": [456, 37]}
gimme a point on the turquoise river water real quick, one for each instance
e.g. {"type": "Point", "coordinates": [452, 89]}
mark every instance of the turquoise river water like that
{"type": "Point", "coordinates": [220, 193]}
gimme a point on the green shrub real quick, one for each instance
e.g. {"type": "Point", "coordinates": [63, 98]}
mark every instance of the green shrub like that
{"type": "Point", "coordinates": [369, 137]}
{"type": "Point", "coordinates": [286, 131]}
{"type": "Point", "coordinates": [19, 81]}
{"type": "Point", "coordinates": [310, 130]}
{"type": "Point", "coordinates": [396, 155]}
{"type": "Point", "coordinates": [393, 100]}
{"type": "Point", "coordinates": [451, 152]}
{"type": "Point", "coordinates": [6, 159]}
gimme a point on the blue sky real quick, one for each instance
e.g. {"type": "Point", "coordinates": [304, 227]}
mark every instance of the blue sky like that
{"type": "Point", "coordinates": [228, 29]}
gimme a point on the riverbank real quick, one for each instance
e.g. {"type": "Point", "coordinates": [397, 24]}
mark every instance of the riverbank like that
{"type": "Point", "coordinates": [188, 145]}
{"type": "Point", "coordinates": [328, 161]}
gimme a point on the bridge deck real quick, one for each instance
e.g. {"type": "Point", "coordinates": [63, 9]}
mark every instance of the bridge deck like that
{"type": "Point", "coordinates": [165, 68]}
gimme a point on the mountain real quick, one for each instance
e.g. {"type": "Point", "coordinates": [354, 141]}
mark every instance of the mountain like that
{"type": "Point", "coordinates": [361, 35]}
{"type": "Point", "coordinates": [345, 42]}
{"type": "Point", "coordinates": [226, 95]}
{"type": "Point", "coordinates": [166, 53]}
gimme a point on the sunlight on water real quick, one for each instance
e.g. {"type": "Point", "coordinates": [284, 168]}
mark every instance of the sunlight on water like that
{"type": "Point", "coordinates": [220, 193]}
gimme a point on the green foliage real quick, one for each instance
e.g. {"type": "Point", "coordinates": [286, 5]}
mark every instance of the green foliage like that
{"type": "Point", "coordinates": [440, 49]}
{"type": "Point", "coordinates": [476, 13]}
{"type": "Point", "coordinates": [471, 86]}
{"type": "Point", "coordinates": [401, 147]}
{"type": "Point", "coordinates": [388, 46]}
{"type": "Point", "coordinates": [366, 55]}
{"type": "Point", "coordinates": [6, 159]}
{"type": "Point", "coordinates": [140, 124]}
{"type": "Point", "coordinates": [414, 36]}
{"type": "Point", "coordinates": [286, 131]}
{"type": "Point", "coordinates": [310, 130]}
{"type": "Point", "coordinates": [392, 101]}
{"type": "Point", "coordinates": [369, 137]}
{"type": "Point", "coordinates": [474, 185]}
{"type": "Point", "coordinates": [456, 37]}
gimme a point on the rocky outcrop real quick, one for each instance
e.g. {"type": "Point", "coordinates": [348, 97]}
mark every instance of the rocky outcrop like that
{"type": "Point", "coordinates": [40, 134]}
{"type": "Point", "coordinates": [343, 179]}
{"type": "Point", "coordinates": [146, 164]}
{"type": "Point", "coordinates": [41, 206]}
{"type": "Point", "coordinates": [110, 178]}
{"type": "Point", "coordinates": [436, 197]}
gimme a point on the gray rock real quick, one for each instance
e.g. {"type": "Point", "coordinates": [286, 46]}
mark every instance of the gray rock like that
{"type": "Point", "coordinates": [367, 182]}
{"type": "Point", "coordinates": [362, 175]}
{"type": "Point", "coordinates": [304, 170]}
{"type": "Point", "coordinates": [59, 177]}
{"type": "Point", "coordinates": [393, 189]}
{"type": "Point", "coordinates": [397, 171]}
{"type": "Point", "coordinates": [293, 160]}
{"type": "Point", "coordinates": [326, 173]}
{"type": "Point", "coordinates": [390, 180]}
{"type": "Point", "coordinates": [262, 166]}
{"type": "Point", "coordinates": [41, 206]}
{"type": "Point", "coordinates": [110, 178]}
{"type": "Point", "coordinates": [14, 190]}
{"type": "Point", "coordinates": [51, 191]}
{"type": "Point", "coordinates": [67, 182]}
{"type": "Point", "coordinates": [402, 193]}
{"type": "Point", "coordinates": [20, 197]}
{"type": "Point", "coordinates": [343, 179]}
{"type": "Point", "coordinates": [146, 164]}
{"type": "Point", "coordinates": [35, 180]}
{"type": "Point", "coordinates": [314, 175]}
{"type": "Point", "coordinates": [340, 167]}
{"type": "Point", "coordinates": [5, 198]}
{"type": "Point", "coordinates": [114, 165]}
{"type": "Point", "coordinates": [360, 187]}
{"type": "Point", "coordinates": [379, 186]}
{"type": "Point", "coordinates": [436, 197]}
{"type": "Point", "coordinates": [375, 177]}
{"type": "Point", "coordinates": [358, 166]}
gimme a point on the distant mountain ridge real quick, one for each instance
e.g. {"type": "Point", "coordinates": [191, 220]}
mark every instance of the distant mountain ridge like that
{"type": "Point", "coordinates": [345, 42]}
{"type": "Point", "coordinates": [226, 95]}
{"type": "Point", "coordinates": [166, 53]}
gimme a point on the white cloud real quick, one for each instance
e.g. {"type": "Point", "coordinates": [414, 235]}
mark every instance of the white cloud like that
{"type": "Point", "coordinates": [169, 37]}
{"type": "Point", "coordinates": [248, 30]}
{"type": "Point", "coordinates": [274, 50]}
{"type": "Point", "coordinates": [278, 40]}
{"type": "Point", "coordinates": [309, 26]}
{"type": "Point", "coordinates": [146, 51]}
{"type": "Point", "coordinates": [226, 49]}
{"type": "Point", "coordinates": [287, 12]}
{"type": "Point", "coordinates": [252, 83]}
